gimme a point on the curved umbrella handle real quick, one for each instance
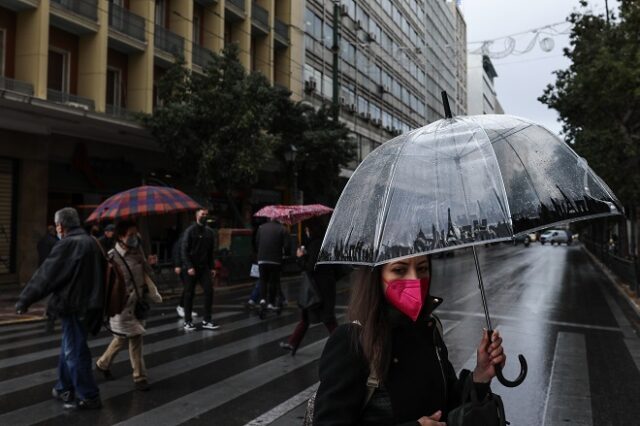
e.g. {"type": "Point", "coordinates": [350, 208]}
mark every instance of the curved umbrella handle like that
{"type": "Point", "coordinates": [523, 374]}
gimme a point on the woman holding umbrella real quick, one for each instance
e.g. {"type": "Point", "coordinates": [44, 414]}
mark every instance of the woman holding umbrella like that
{"type": "Point", "coordinates": [394, 339]}
{"type": "Point", "coordinates": [128, 326]}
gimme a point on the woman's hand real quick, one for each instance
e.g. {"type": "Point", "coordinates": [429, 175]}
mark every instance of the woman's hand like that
{"type": "Point", "coordinates": [432, 420]}
{"type": "Point", "coordinates": [489, 355]}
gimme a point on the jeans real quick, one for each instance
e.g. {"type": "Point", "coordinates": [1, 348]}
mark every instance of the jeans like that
{"type": "Point", "coordinates": [203, 275]}
{"type": "Point", "coordinates": [270, 281]}
{"type": "Point", "coordinates": [74, 367]}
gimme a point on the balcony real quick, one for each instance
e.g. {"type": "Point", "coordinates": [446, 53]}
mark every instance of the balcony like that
{"type": "Point", "coordinates": [206, 3]}
{"type": "Point", "coordinates": [75, 16]}
{"type": "Point", "coordinates": [70, 100]}
{"type": "Point", "coordinates": [119, 112]}
{"type": "Point", "coordinates": [168, 42]}
{"type": "Point", "coordinates": [201, 56]}
{"type": "Point", "coordinates": [19, 5]}
{"type": "Point", "coordinates": [17, 86]}
{"type": "Point", "coordinates": [86, 8]}
{"type": "Point", "coordinates": [125, 22]}
{"type": "Point", "coordinates": [281, 31]}
{"type": "Point", "coordinates": [235, 9]}
{"type": "Point", "coordinates": [259, 19]}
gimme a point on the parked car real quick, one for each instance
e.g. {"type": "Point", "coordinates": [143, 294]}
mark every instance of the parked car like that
{"type": "Point", "coordinates": [555, 236]}
{"type": "Point", "coordinates": [524, 239]}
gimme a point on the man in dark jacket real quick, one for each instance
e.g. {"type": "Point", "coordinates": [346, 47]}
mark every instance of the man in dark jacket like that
{"type": "Point", "coordinates": [197, 258]}
{"type": "Point", "coordinates": [106, 240]}
{"type": "Point", "coordinates": [272, 241]}
{"type": "Point", "coordinates": [73, 274]}
{"type": "Point", "coordinates": [178, 268]}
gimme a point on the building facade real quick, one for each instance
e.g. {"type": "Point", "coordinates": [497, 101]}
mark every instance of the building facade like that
{"type": "Point", "coordinates": [482, 95]}
{"type": "Point", "coordinates": [395, 59]}
{"type": "Point", "coordinates": [72, 73]}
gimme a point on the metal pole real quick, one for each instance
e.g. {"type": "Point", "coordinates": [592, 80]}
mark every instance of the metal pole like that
{"type": "Point", "coordinates": [481, 286]}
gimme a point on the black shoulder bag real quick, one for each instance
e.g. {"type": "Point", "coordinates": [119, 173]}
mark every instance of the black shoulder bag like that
{"type": "Point", "coordinates": [142, 308]}
{"type": "Point", "coordinates": [475, 412]}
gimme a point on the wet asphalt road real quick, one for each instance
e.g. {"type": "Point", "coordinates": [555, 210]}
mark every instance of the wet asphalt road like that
{"type": "Point", "coordinates": [550, 303]}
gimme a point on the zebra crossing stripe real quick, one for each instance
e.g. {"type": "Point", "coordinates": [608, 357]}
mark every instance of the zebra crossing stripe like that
{"type": "Point", "coordinates": [34, 356]}
{"type": "Point", "coordinates": [46, 410]}
{"type": "Point", "coordinates": [191, 405]}
{"type": "Point", "coordinates": [282, 409]}
{"type": "Point", "coordinates": [569, 394]}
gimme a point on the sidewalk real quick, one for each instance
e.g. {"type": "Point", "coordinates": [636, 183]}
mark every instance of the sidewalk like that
{"type": "Point", "coordinates": [169, 289]}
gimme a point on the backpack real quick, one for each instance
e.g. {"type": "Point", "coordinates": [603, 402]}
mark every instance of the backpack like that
{"type": "Point", "coordinates": [372, 384]}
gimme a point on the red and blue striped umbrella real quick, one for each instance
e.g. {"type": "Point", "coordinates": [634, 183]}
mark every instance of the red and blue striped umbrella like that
{"type": "Point", "coordinates": [143, 201]}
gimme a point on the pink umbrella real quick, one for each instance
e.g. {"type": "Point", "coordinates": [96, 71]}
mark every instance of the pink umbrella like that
{"type": "Point", "coordinates": [293, 214]}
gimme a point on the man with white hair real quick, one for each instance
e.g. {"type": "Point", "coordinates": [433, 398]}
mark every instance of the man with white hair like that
{"type": "Point", "coordinates": [73, 274]}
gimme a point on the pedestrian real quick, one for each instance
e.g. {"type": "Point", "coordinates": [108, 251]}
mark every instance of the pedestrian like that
{"type": "Point", "coordinates": [106, 239]}
{"type": "Point", "coordinates": [73, 274]}
{"type": "Point", "coordinates": [128, 327]}
{"type": "Point", "coordinates": [197, 248]}
{"type": "Point", "coordinates": [178, 268]}
{"type": "Point", "coordinates": [324, 278]}
{"type": "Point", "coordinates": [393, 340]}
{"type": "Point", "coordinates": [272, 240]}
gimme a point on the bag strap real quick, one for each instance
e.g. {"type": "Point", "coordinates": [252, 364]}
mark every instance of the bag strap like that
{"type": "Point", "coordinates": [133, 281]}
{"type": "Point", "coordinates": [373, 382]}
{"type": "Point", "coordinates": [105, 322]}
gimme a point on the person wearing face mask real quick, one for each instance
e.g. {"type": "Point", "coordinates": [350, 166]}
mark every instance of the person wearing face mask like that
{"type": "Point", "coordinates": [126, 327]}
{"type": "Point", "coordinates": [197, 248]}
{"type": "Point", "coordinates": [393, 343]}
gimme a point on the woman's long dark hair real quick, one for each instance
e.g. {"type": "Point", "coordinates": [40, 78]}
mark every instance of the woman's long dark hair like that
{"type": "Point", "coordinates": [367, 306]}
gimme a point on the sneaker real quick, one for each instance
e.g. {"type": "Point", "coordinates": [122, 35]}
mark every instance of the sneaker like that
{"type": "Point", "coordinates": [84, 404]}
{"type": "Point", "coordinates": [106, 373]}
{"type": "Point", "coordinates": [188, 326]}
{"type": "Point", "coordinates": [286, 345]}
{"type": "Point", "coordinates": [271, 307]}
{"type": "Point", "coordinates": [64, 396]}
{"type": "Point", "coordinates": [180, 311]}
{"type": "Point", "coordinates": [210, 325]}
{"type": "Point", "coordinates": [194, 314]}
{"type": "Point", "coordinates": [142, 386]}
{"type": "Point", "coordinates": [251, 302]}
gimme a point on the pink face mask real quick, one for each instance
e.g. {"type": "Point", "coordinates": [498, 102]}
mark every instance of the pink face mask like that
{"type": "Point", "coordinates": [408, 295]}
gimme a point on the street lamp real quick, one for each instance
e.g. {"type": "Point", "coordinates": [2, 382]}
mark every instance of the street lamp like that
{"type": "Point", "coordinates": [290, 158]}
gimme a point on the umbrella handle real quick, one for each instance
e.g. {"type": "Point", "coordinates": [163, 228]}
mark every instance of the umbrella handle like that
{"type": "Point", "coordinates": [523, 371]}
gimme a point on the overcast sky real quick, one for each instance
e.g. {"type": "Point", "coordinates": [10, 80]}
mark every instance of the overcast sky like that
{"type": "Point", "coordinates": [522, 78]}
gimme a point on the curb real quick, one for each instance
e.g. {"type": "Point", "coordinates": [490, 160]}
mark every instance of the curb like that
{"type": "Point", "coordinates": [617, 283]}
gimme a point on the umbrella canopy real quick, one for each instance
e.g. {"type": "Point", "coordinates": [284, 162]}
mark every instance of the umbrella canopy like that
{"type": "Point", "coordinates": [292, 214]}
{"type": "Point", "coordinates": [143, 201]}
{"type": "Point", "coordinates": [460, 182]}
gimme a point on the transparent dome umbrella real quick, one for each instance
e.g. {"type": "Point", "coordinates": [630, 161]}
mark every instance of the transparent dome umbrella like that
{"type": "Point", "coordinates": [460, 182]}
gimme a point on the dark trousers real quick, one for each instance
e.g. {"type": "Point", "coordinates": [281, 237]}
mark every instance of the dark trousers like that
{"type": "Point", "coordinates": [269, 281]}
{"type": "Point", "coordinates": [303, 326]}
{"type": "Point", "coordinates": [74, 367]}
{"type": "Point", "coordinates": [203, 275]}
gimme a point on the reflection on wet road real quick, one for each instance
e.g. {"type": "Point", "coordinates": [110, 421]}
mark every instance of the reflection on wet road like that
{"type": "Point", "coordinates": [550, 303]}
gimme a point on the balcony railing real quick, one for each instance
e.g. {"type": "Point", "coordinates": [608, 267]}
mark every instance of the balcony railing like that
{"type": "Point", "coordinates": [120, 19]}
{"type": "Point", "coordinates": [16, 86]}
{"type": "Point", "coordinates": [86, 8]}
{"type": "Point", "coordinates": [71, 100]}
{"type": "Point", "coordinates": [282, 29]}
{"type": "Point", "coordinates": [168, 41]}
{"type": "Point", "coordinates": [237, 3]}
{"type": "Point", "coordinates": [119, 111]}
{"type": "Point", "coordinates": [260, 14]}
{"type": "Point", "coordinates": [201, 55]}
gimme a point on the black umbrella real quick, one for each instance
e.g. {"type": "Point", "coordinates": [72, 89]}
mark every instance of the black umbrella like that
{"type": "Point", "coordinates": [460, 182]}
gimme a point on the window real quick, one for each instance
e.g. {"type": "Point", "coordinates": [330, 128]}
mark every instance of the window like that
{"type": "Point", "coordinates": [114, 87]}
{"type": "Point", "coordinates": [3, 37]}
{"type": "Point", "coordinates": [58, 70]}
{"type": "Point", "coordinates": [160, 12]}
{"type": "Point", "coordinates": [196, 27]}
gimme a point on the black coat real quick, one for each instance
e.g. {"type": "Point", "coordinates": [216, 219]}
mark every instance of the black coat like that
{"type": "Point", "coordinates": [414, 385]}
{"type": "Point", "coordinates": [45, 245]}
{"type": "Point", "coordinates": [325, 277]}
{"type": "Point", "coordinates": [73, 274]}
{"type": "Point", "coordinates": [176, 252]}
{"type": "Point", "coordinates": [196, 247]}
{"type": "Point", "coordinates": [107, 243]}
{"type": "Point", "coordinates": [273, 242]}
